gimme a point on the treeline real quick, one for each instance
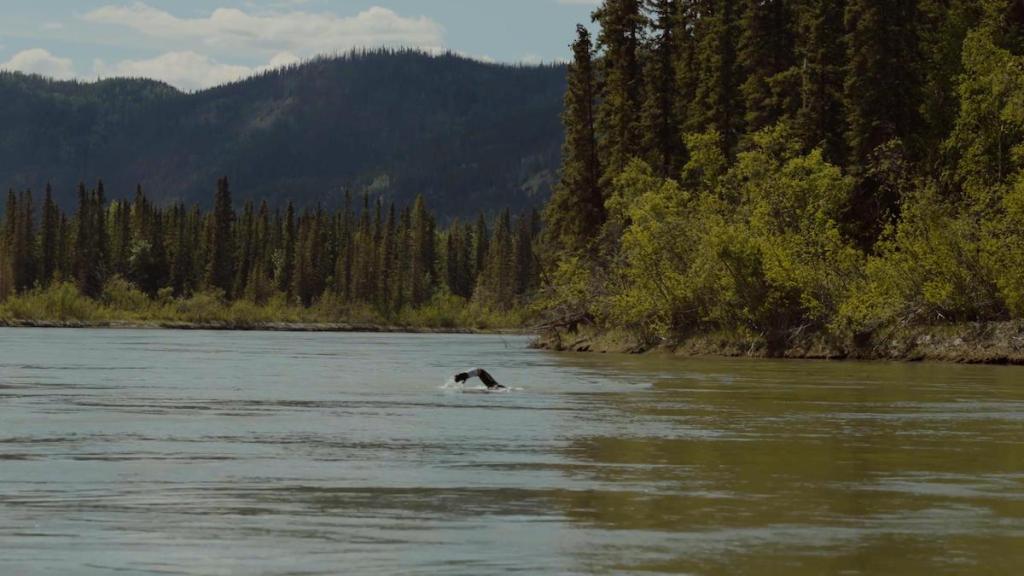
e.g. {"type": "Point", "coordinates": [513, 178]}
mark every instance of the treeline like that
{"type": "Point", "coordinates": [370, 255]}
{"type": "Point", "coordinates": [774, 167]}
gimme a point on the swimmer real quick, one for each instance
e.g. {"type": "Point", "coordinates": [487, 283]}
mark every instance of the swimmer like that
{"type": "Point", "coordinates": [484, 377]}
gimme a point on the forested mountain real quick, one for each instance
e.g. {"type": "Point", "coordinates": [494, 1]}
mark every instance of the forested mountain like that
{"type": "Point", "coordinates": [467, 135]}
{"type": "Point", "coordinates": [772, 168]}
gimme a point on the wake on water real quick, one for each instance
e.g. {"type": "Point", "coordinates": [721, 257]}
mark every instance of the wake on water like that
{"type": "Point", "coordinates": [476, 388]}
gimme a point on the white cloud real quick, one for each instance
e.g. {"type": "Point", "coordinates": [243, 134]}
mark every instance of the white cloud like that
{"type": "Point", "coordinates": [188, 70]}
{"type": "Point", "coordinates": [39, 61]}
{"type": "Point", "coordinates": [52, 26]}
{"type": "Point", "coordinates": [235, 31]}
{"type": "Point", "coordinates": [280, 60]}
{"type": "Point", "coordinates": [185, 70]}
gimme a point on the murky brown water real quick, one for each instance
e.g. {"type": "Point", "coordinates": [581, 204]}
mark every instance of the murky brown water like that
{"type": "Point", "coordinates": [161, 452]}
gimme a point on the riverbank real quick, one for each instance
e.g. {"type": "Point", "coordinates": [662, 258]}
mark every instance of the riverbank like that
{"type": "Point", "coordinates": [970, 343]}
{"type": "Point", "coordinates": [254, 326]}
{"type": "Point", "coordinates": [61, 306]}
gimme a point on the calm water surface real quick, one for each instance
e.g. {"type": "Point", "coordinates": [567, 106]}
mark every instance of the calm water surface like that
{"type": "Point", "coordinates": [162, 452]}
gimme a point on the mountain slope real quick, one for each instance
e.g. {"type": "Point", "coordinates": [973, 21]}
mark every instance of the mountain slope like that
{"type": "Point", "coordinates": [466, 134]}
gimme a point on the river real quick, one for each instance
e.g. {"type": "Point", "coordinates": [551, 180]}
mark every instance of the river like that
{"type": "Point", "coordinates": [208, 453]}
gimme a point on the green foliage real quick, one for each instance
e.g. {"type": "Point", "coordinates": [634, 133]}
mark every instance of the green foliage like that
{"type": "Point", "coordinates": [758, 247]}
{"type": "Point", "coordinates": [844, 166]}
{"type": "Point", "coordinates": [122, 295]}
{"type": "Point", "coordinates": [929, 270]}
{"type": "Point", "coordinates": [989, 132]}
{"type": "Point", "coordinates": [572, 289]}
{"type": "Point", "coordinates": [658, 249]}
{"type": "Point", "coordinates": [707, 163]}
{"type": "Point", "coordinates": [178, 265]}
{"type": "Point", "coordinates": [60, 302]}
{"type": "Point", "coordinates": [795, 202]}
{"type": "Point", "coordinates": [1003, 249]}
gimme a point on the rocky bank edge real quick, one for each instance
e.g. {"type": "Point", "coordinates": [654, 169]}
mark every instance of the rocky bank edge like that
{"type": "Point", "coordinates": [972, 343]}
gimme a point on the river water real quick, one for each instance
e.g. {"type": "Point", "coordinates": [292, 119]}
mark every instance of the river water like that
{"type": "Point", "coordinates": [166, 452]}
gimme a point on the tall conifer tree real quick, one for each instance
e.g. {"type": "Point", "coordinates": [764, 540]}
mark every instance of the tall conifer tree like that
{"type": "Point", "coordinates": [661, 136]}
{"type": "Point", "coordinates": [718, 103]}
{"type": "Point", "coordinates": [576, 211]}
{"type": "Point", "coordinates": [220, 269]}
{"type": "Point", "coordinates": [50, 237]}
{"type": "Point", "coordinates": [618, 118]}
{"type": "Point", "coordinates": [768, 60]}
{"type": "Point", "coordinates": [821, 120]}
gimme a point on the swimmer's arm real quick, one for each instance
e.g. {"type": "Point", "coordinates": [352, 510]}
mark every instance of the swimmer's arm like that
{"type": "Point", "coordinates": [463, 376]}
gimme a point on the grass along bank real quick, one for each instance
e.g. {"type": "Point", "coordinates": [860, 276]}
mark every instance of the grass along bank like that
{"type": "Point", "coordinates": [121, 304]}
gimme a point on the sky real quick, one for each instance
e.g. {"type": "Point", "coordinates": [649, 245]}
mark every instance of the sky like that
{"type": "Point", "coordinates": [195, 44]}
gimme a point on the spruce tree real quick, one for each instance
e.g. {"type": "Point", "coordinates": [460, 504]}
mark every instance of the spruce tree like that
{"type": "Point", "coordinates": [882, 107]}
{"type": "Point", "coordinates": [576, 211]}
{"type": "Point", "coordinates": [882, 79]}
{"type": "Point", "coordinates": [421, 271]}
{"type": "Point", "coordinates": [50, 237]}
{"type": "Point", "coordinates": [386, 260]}
{"type": "Point", "coordinates": [246, 244]}
{"type": "Point", "coordinates": [24, 245]}
{"type": "Point", "coordinates": [286, 264]}
{"type": "Point", "coordinates": [481, 246]}
{"type": "Point", "coordinates": [101, 236]}
{"type": "Point", "coordinates": [618, 117]}
{"type": "Point", "coordinates": [943, 27]}
{"type": "Point", "coordinates": [718, 103]}
{"type": "Point", "coordinates": [364, 281]}
{"type": "Point", "coordinates": [523, 257]}
{"type": "Point", "coordinates": [404, 260]}
{"type": "Point", "coordinates": [220, 270]}
{"type": "Point", "coordinates": [687, 68]}
{"type": "Point", "coordinates": [661, 136]}
{"type": "Point", "coordinates": [9, 265]}
{"type": "Point", "coordinates": [182, 266]}
{"type": "Point", "coordinates": [85, 254]}
{"type": "Point", "coordinates": [65, 264]}
{"type": "Point", "coordinates": [821, 120]}
{"type": "Point", "coordinates": [497, 283]}
{"type": "Point", "coordinates": [768, 61]}
{"type": "Point", "coordinates": [121, 238]}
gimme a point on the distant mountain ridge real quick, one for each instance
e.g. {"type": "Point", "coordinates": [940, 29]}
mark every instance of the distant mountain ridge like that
{"type": "Point", "coordinates": [467, 135]}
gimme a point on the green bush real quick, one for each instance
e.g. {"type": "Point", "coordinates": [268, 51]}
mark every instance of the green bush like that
{"type": "Point", "coordinates": [121, 295]}
{"type": "Point", "coordinates": [1003, 249]}
{"type": "Point", "coordinates": [757, 247]}
{"type": "Point", "coordinates": [60, 302]}
{"type": "Point", "coordinates": [929, 270]}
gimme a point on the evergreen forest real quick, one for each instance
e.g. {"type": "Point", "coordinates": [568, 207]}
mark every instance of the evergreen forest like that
{"type": "Point", "coordinates": [771, 168]}
{"type": "Point", "coordinates": [369, 262]}
{"type": "Point", "coordinates": [753, 168]}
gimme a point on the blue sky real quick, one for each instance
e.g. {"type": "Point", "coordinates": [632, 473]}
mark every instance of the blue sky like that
{"type": "Point", "coordinates": [194, 44]}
